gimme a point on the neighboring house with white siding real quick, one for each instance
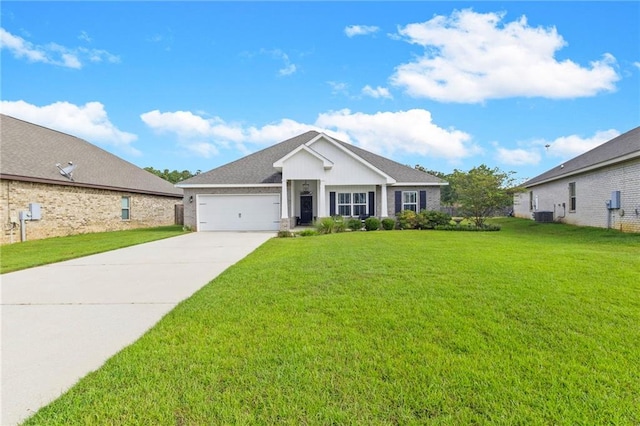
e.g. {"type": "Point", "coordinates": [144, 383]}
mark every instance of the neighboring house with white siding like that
{"type": "Point", "coordinates": [97, 192]}
{"type": "Point", "coordinates": [301, 179]}
{"type": "Point", "coordinates": [599, 188]}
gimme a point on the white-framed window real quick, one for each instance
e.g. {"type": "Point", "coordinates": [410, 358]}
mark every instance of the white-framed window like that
{"type": "Point", "coordinates": [410, 200]}
{"type": "Point", "coordinates": [360, 204]}
{"type": "Point", "coordinates": [126, 208]}
{"type": "Point", "coordinates": [352, 204]}
{"type": "Point", "coordinates": [344, 204]}
{"type": "Point", "coordinates": [572, 196]}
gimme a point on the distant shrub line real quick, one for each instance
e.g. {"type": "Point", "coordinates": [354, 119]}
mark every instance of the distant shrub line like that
{"type": "Point", "coordinates": [406, 219]}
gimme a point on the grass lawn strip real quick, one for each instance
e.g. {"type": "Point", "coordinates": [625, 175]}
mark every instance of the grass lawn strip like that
{"type": "Point", "coordinates": [28, 254]}
{"type": "Point", "coordinates": [535, 324]}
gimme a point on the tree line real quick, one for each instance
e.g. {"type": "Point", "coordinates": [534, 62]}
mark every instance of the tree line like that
{"type": "Point", "coordinates": [173, 176]}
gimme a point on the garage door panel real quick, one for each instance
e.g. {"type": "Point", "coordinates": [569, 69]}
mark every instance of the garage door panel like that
{"type": "Point", "coordinates": [239, 212]}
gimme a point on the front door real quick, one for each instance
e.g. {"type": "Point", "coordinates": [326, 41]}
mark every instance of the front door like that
{"type": "Point", "coordinates": [306, 209]}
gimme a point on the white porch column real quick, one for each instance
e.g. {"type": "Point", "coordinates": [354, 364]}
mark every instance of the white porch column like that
{"type": "Point", "coordinates": [283, 201]}
{"type": "Point", "coordinates": [383, 193]}
{"type": "Point", "coordinates": [322, 208]}
{"type": "Point", "coordinates": [292, 210]}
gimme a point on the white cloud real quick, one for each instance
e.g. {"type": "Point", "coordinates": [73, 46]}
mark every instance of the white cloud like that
{"type": "Point", "coordinates": [406, 132]}
{"type": "Point", "coordinates": [378, 92]}
{"type": "Point", "coordinates": [386, 133]}
{"type": "Point", "coordinates": [21, 48]}
{"type": "Point", "coordinates": [288, 68]}
{"type": "Point", "coordinates": [205, 136]}
{"type": "Point", "coordinates": [357, 30]}
{"type": "Point", "coordinates": [339, 88]}
{"type": "Point", "coordinates": [53, 53]}
{"type": "Point", "coordinates": [84, 36]}
{"type": "Point", "coordinates": [88, 121]}
{"type": "Point", "coordinates": [471, 57]}
{"type": "Point", "coordinates": [518, 157]}
{"type": "Point", "coordinates": [567, 147]}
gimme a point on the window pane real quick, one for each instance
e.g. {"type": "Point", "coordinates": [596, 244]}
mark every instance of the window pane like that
{"type": "Point", "coordinates": [359, 198]}
{"type": "Point", "coordinates": [344, 210]}
{"type": "Point", "coordinates": [125, 202]}
{"type": "Point", "coordinates": [359, 210]}
{"type": "Point", "coordinates": [125, 214]}
{"type": "Point", "coordinates": [572, 196]}
{"type": "Point", "coordinates": [344, 198]}
{"type": "Point", "coordinates": [410, 196]}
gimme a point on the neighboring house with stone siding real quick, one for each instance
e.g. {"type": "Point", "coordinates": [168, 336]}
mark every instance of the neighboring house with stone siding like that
{"type": "Point", "coordinates": [301, 179]}
{"type": "Point", "coordinates": [600, 188]}
{"type": "Point", "coordinates": [102, 193]}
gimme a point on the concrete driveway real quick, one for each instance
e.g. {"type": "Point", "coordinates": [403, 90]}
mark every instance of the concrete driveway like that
{"type": "Point", "coordinates": [62, 321]}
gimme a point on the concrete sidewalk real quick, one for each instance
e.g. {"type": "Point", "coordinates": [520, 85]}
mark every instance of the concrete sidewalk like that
{"type": "Point", "coordinates": [62, 321]}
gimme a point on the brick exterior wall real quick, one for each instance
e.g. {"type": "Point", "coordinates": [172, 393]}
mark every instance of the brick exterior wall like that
{"type": "Point", "coordinates": [593, 190]}
{"type": "Point", "coordinates": [68, 210]}
{"type": "Point", "coordinates": [433, 197]}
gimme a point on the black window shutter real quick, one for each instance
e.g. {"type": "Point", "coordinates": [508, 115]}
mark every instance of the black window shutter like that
{"type": "Point", "coordinates": [332, 203]}
{"type": "Point", "coordinates": [372, 203]}
{"type": "Point", "coordinates": [398, 206]}
{"type": "Point", "coordinates": [423, 200]}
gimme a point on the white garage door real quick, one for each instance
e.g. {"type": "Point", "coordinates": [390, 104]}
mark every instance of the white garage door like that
{"type": "Point", "coordinates": [255, 212]}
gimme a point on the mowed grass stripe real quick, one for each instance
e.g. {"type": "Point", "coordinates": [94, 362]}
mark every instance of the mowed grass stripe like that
{"type": "Point", "coordinates": [530, 325]}
{"type": "Point", "coordinates": [23, 255]}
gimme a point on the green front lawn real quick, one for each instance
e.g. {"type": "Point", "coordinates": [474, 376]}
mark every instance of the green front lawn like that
{"type": "Point", "coordinates": [536, 324]}
{"type": "Point", "coordinates": [28, 254]}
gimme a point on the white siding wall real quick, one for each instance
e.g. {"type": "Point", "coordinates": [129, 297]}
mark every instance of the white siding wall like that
{"type": "Point", "coordinates": [303, 166]}
{"type": "Point", "coordinates": [593, 190]}
{"type": "Point", "coordinates": [346, 169]}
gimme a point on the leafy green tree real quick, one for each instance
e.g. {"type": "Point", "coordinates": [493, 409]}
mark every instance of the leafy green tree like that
{"type": "Point", "coordinates": [173, 176]}
{"type": "Point", "coordinates": [481, 191]}
{"type": "Point", "coordinates": [446, 192]}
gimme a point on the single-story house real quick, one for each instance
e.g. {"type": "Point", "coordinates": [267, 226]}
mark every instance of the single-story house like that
{"type": "Point", "coordinates": [54, 184]}
{"type": "Point", "coordinates": [600, 188]}
{"type": "Point", "coordinates": [294, 182]}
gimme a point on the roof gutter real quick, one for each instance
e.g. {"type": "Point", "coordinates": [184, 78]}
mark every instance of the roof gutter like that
{"type": "Point", "coordinates": [86, 185]}
{"type": "Point", "coordinates": [600, 165]}
{"type": "Point", "coordinates": [228, 185]}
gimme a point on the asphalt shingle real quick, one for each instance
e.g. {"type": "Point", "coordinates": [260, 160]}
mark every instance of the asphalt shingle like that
{"type": "Point", "coordinates": [618, 147]}
{"type": "Point", "coordinates": [258, 167]}
{"type": "Point", "coordinates": [30, 152]}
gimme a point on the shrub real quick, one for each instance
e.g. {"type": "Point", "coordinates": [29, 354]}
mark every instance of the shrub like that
{"type": "Point", "coordinates": [308, 233]}
{"type": "Point", "coordinates": [285, 234]}
{"type": "Point", "coordinates": [429, 219]}
{"type": "Point", "coordinates": [372, 224]}
{"type": "Point", "coordinates": [339, 224]}
{"type": "Point", "coordinates": [388, 224]}
{"type": "Point", "coordinates": [329, 225]}
{"type": "Point", "coordinates": [470, 227]}
{"type": "Point", "coordinates": [325, 225]}
{"type": "Point", "coordinates": [354, 224]}
{"type": "Point", "coordinates": [407, 219]}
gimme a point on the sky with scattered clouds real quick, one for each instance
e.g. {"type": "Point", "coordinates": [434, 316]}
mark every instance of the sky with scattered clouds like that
{"type": "Point", "coordinates": [522, 86]}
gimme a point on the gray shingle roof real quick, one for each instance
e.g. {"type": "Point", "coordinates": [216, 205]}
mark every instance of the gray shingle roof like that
{"type": "Point", "coordinates": [30, 152]}
{"type": "Point", "coordinates": [617, 148]}
{"type": "Point", "coordinates": [258, 167]}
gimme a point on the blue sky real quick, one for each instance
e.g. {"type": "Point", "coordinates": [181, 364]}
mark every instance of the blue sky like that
{"type": "Point", "coordinates": [447, 85]}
